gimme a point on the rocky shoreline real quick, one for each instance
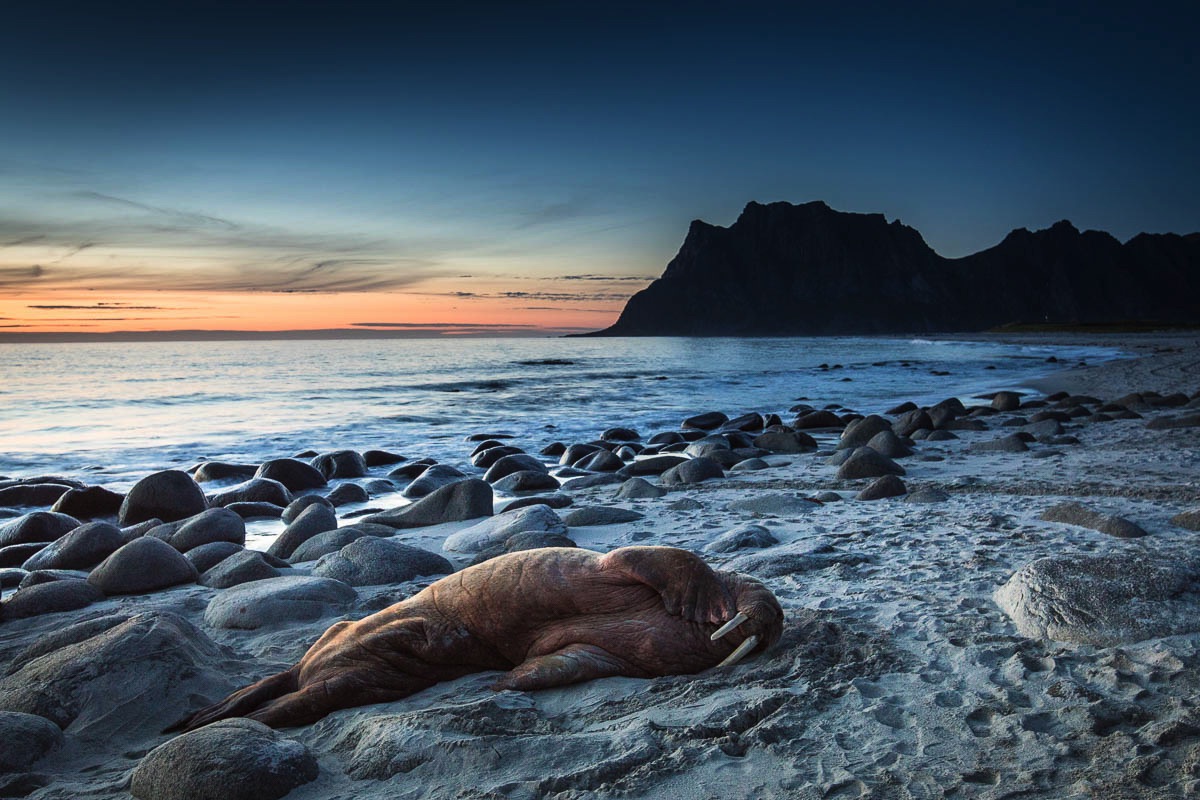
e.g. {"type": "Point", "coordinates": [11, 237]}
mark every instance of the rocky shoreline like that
{"type": "Point", "coordinates": [982, 598]}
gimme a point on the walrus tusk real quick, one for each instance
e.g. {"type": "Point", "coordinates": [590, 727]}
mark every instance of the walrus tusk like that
{"type": "Point", "coordinates": [742, 649]}
{"type": "Point", "coordinates": [738, 619]}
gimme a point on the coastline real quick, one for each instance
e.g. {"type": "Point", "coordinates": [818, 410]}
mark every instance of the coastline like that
{"type": "Point", "coordinates": [899, 668]}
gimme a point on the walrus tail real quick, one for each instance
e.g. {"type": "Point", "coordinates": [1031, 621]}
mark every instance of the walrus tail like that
{"type": "Point", "coordinates": [242, 702]}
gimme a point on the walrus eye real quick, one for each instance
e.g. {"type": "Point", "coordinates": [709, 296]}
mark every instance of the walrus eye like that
{"type": "Point", "coordinates": [738, 619]}
{"type": "Point", "coordinates": [742, 649]}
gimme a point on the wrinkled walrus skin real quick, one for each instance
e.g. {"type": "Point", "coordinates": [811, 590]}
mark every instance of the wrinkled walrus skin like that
{"type": "Point", "coordinates": [550, 617]}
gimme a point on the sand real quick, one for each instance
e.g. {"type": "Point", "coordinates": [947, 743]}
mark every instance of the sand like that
{"type": "Point", "coordinates": [898, 675]}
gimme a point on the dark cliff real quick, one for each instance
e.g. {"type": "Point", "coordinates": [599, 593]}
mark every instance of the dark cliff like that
{"type": "Point", "coordinates": [809, 270]}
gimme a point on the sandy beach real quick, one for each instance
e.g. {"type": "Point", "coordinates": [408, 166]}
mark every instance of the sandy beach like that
{"type": "Point", "coordinates": [922, 655]}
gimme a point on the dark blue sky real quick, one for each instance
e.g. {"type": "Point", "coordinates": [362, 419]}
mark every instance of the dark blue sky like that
{"type": "Point", "coordinates": [414, 142]}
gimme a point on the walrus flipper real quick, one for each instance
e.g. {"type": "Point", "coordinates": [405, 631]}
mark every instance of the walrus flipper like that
{"type": "Point", "coordinates": [689, 588]}
{"type": "Point", "coordinates": [321, 697]}
{"type": "Point", "coordinates": [573, 664]}
{"type": "Point", "coordinates": [241, 702]}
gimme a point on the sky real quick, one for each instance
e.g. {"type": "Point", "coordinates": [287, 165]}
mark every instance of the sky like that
{"type": "Point", "coordinates": [514, 168]}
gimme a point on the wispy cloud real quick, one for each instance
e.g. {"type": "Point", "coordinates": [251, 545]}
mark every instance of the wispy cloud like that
{"type": "Point", "coordinates": [606, 278]}
{"type": "Point", "coordinates": [156, 247]}
{"type": "Point", "coordinates": [121, 307]}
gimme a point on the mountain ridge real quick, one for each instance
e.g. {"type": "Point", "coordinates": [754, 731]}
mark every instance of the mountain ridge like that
{"type": "Point", "coordinates": [807, 269]}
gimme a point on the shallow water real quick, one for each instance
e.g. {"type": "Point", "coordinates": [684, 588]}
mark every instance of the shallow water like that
{"type": "Point", "coordinates": [122, 410]}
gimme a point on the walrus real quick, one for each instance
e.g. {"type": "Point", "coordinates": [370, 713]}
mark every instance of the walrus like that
{"type": "Point", "coordinates": [549, 617]}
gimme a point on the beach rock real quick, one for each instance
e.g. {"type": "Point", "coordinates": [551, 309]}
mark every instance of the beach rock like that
{"type": "Point", "coordinates": [1104, 600]}
{"type": "Point", "coordinates": [1188, 519]}
{"type": "Point", "coordinates": [708, 446]}
{"type": "Point", "coordinates": [666, 437]}
{"type": "Point", "coordinates": [888, 444]}
{"type": "Point", "coordinates": [332, 541]}
{"type": "Point", "coordinates": [213, 525]}
{"type": "Point", "coordinates": [743, 537]}
{"type": "Point", "coordinates": [222, 471]}
{"type": "Point", "coordinates": [233, 759]}
{"type": "Point", "coordinates": [828, 497]}
{"type": "Point", "coordinates": [10, 577]}
{"type": "Point", "coordinates": [412, 469]}
{"type": "Point", "coordinates": [600, 515]}
{"type": "Point", "coordinates": [488, 456]}
{"type": "Point", "coordinates": [540, 519]}
{"type": "Point", "coordinates": [553, 450]}
{"type": "Point", "coordinates": [927, 494]}
{"type": "Point", "coordinates": [1171, 423]}
{"type": "Point", "coordinates": [39, 576]}
{"type": "Point", "coordinates": [620, 435]}
{"type": "Point", "coordinates": [467, 499]}
{"type": "Point", "coordinates": [27, 738]}
{"type": "Point", "coordinates": [256, 510]}
{"type": "Point", "coordinates": [693, 470]}
{"type": "Point", "coordinates": [89, 503]}
{"type": "Point", "coordinates": [749, 465]}
{"type": "Point", "coordinates": [600, 461]}
{"type": "Point", "coordinates": [435, 477]}
{"type": "Point", "coordinates": [639, 489]}
{"type": "Point", "coordinates": [346, 494]}
{"type": "Point", "coordinates": [880, 488]}
{"type": "Point", "coordinates": [317, 518]}
{"type": "Point", "coordinates": [1046, 427]}
{"type": "Point", "coordinates": [1012, 443]}
{"type": "Point", "coordinates": [241, 567]}
{"type": "Point", "coordinates": [813, 420]}
{"type": "Point", "coordinates": [1077, 514]}
{"type": "Point", "coordinates": [144, 565]}
{"type": "Point", "coordinates": [17, 554]}
{"type": "Point", "coordinates": [114, 675]}
{"type": "Point", "coordinates": [911, 422]}
{"type": "Point", "coordinates": [1006, 401]}
{"type": "Point", "coordinates": [341, 464]}
{"type": "Point", "coordinates": [518, 462]}
{"type": "Point", "coordinates": [706, 421]}
{"type": "Point", "coordinates": [784, 442]}
{"type": "Point", "coordinates": [557, 500]}
{"type": "Point", "coordinates": [50, 597]}
{"type": "Point", "coordinates": [526, 481]}
{"type": "Point", "coordinates": [592, 481]}
{"type": "Point", "coordinates": [654, 465]}
{"type": "Point", "coordinates": [577, 452]}
{"type": "Point", "coordinates": [859, 432]}
{"type": "Point", "coordinates": [298, 506]}
{"type": "Point", "coordinates": [381, 458]}
{"type": "Point", "coordinates": [292, 473]}
{"type": "Point", "coordinates": [169, 495]}
{"type": "Point", "coordinates": [941, 436]}
{"type": "Point", "coordinates": [132, 532]}
{"type": "Point", "coordinates": [207, 556]}
{"type": "Point", "coordinates": [370, 560]}
{"type": "Point", "coordinates": [278, 601]}
{"type": "Point", "coordinates": [82, 548]}
{"type": "Point", "coordinates": [36, 526]}
{"type": "Point", "coordinates": [866, 463]}
{"type": "Point", "coordinates": [523, 541]}
{"type": "Point", "coordinates": [255, 490]}
{"type": "Point", "coordinates": [32, 494]}
{"type": "Point", "coordinates": [750, 423]}
{"type": "Point", "coordinates": [782, 505]}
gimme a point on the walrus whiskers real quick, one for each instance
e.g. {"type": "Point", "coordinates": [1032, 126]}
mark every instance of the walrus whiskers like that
{"type": "Point", "coordinates": [742, 649]}
{"type": "Point", "coordinates": [738, 619]}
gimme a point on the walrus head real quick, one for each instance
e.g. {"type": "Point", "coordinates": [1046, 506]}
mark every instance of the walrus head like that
{"type": "Point", "coordinates": [758, 621]}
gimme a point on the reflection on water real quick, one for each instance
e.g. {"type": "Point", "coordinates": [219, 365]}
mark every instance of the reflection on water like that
{"type": "Point", "coordinates": [125, 409]}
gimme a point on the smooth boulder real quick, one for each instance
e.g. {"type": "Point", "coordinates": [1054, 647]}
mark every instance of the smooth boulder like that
{"type": "Point", "coordinates": [233, 759]}
{"type": "Point", "coordinates": [276, 601]}
{"type": "Point", "coordinates": [169, 495]}
{"type": "Point", "coordinates": [1103, 600]}
{"type": "Point", "coordinates": [241, 567]}
{"type": "Point", "coordinates": [36, 526]}
{"type": "Point", "coordinates": [463, 500]}
{"type": "Point", "coordinates": [27, 738]}
{"type": "Point", "coordinates": [292, 473]}
{"type": "Point", "coordinates": [1073, 513]}
{"type": "Point", "coordinates": [867, 463]}
{"type": "Point", "coordinates": [315, 519]}
{"type": "Point", "coordinates": [483, 535]}
{"type": "Point", "coordinates": [82, 548]}
{"type": "Point", "coordinates": [743, 537]}
{"type": "Point", "coordinates": [144, 565]}
{"type": "Point", "coordinates": [599, 515]}
{"type": "Point", "coordinates": [371, 560]}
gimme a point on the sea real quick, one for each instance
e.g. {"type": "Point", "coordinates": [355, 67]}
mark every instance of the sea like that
{"type": "Point", "coordinates": [110, 413]}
